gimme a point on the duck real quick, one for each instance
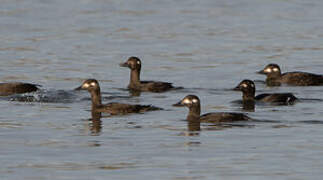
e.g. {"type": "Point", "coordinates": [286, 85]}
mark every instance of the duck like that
{"type": "Point", "coordinates": [11, 88]}
{"type": "Point", "coordinates": [248, 89]}
{"type": "Point", "coordinates": [113, 108]}
{"type": "Point", "coordinates": [135, 84]}
{"type": "Point", "coordinates": [276, 78]}
{"type": "Point", "coordinates": [194, 106]}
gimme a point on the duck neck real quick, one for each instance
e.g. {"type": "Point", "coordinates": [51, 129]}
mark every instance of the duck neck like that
{"type": "Point", "coordinates": [194, 112]}
{"type": "Point", "coordinates": [134, 77]}
{"type": "Point", "coordinates": [273, 82]}
{"type": "Point", "coordinates": [96, 98]}
{"type": "Point", "coordinates": [273, 78]}
{"type": "Point", "coordinates": [248, 95]}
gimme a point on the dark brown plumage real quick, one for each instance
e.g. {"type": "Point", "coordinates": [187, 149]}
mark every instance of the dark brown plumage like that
{"type": "Point", "coordinates": [276, 78]}
{"type": "Point", "coordinates": [248, 89]}
{"type": "Point", "coordinates": [223, 117]}
{"type": "Point", "coordinates": [16, 88]}
{"type": "Point", "coordinates": [193, 103]}
{"type": "Point", "coordinates": [93, 87]}
{"type": "Point", "coordinates": [119, 108]}
{"type": "Point", "coordinates": [134, 64]}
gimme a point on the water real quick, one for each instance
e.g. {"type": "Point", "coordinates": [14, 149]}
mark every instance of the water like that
{"type": "Point", "coordinates": [206, 46]}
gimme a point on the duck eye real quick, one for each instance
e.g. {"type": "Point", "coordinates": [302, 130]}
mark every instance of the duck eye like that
{"type": "Point", "coordinates": [93, 83]}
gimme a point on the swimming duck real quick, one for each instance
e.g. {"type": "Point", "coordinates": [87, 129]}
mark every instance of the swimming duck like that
{"type": "Point", "coordinates": [276, 78]}
{"type": "Point", "coordinates": [248, 89]}
{"type": "Point", "coordinates": [113, 108]}
{"type": "Point", "coordinates": [134, 64]}
{"type": "Point", "coordinates": [193, 103]}
{"type": "Point", "coordinates": [11, 88]}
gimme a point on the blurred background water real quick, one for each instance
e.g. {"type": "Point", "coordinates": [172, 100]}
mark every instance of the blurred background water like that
{"type": "Point", "coordinates": [206, 46]}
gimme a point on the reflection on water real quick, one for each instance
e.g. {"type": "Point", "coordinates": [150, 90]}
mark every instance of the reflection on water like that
{"type": "Point", "coordinates": [75, 166]}
{"type": "Point", "coordinates": [248, 106]}
{"type": "Point", "coordinates": [134, 93]}
{"type": "Point", "coordinates": [194, 125]}
{"type": "Point", "coordinates": [95, 124]}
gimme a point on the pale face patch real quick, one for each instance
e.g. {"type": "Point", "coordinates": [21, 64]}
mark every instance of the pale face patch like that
{"type": "Point", "coordinates": [275, 69]}
{"type": "Point", "coordinates": [244, 85]}
{"type": "Point", "coordinates": [186, 101]}
{"type": "Point", "coordinates": [268, 70]}
{"type": "Point", "coordinates": [194, 100]}
{"type": "Point", "coordinates": [86, 85]}
{"type": "Point", "coordinates": [138, 62]}
{"type": "Point", "coordinates": [93, 84]}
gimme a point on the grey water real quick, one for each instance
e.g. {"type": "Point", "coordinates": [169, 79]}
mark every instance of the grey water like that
{"type": "Point", "coordinates": [206, 46]}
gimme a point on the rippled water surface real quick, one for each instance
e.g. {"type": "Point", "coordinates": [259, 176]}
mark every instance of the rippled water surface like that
{"type": "Point", "coordinates": [206, 46]}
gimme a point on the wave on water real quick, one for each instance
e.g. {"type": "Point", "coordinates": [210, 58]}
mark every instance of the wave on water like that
{"type": "Point", "coordinates": [45, 96]}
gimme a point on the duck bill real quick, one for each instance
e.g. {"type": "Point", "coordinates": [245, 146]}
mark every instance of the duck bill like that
{"type": "Point", "coordinates": [78, 88]}
{"type": "Point", "coordinates": [178, 104]}
{"type": "Point", "coordinates": [237, 88]}
{"type": "Point", "coordinates": [261, 72]}
{"type": "Point", "coordinates": [123, 64]}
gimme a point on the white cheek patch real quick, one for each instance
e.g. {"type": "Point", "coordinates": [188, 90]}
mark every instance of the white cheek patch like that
{"type": "Point", "coordinates": [138, 62]}
{"type": "Point", "coordinates": [252, 85]}
{"type": "Point", "coordinates": [244, 85]}
{"type": "Point", "coordinates": [86, 85]}
{"type": "Point", "coordinates": [195, 100]}
{"type": "Point", "coordinates": [268, 70]}
{"type": "Point", "coordinates": [275, 69]}
{"type": "Point", "coordinates": [186, 101]}
{"type": "Point", "coordinates": [93, 83]}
